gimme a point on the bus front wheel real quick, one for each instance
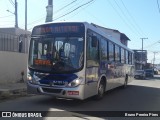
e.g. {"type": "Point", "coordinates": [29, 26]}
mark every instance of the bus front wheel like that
{"type": "Point", "coordinates": [101, 90]}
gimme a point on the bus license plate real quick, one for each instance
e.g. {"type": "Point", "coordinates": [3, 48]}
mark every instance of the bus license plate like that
{"type": "Point", "coordinates": [73, 92]}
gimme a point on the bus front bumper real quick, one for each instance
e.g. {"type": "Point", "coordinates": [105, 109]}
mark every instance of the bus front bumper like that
{"type": "Point", "coordinates": [64, 92]}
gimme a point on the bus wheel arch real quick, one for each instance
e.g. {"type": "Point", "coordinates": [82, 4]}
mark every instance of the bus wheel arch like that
{"type": "Point", "coordinates": [101, 88]}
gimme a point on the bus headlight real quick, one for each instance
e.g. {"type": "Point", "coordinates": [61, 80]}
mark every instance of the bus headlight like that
{"type": "Point", "coordinates": [75, 82]}
{"type": "Point", "coordinates": [29, 77]}
{"type": "Point", "coordinates": [33, 80]}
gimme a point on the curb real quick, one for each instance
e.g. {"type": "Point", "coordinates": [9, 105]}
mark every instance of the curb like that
{"type": "Point", "coordinates": [6, 93]}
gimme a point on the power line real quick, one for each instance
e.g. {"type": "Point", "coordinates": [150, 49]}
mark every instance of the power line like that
{"type": "Point", "coordinates": [131, 16]}
{"type": "Point", "coordinates": [91, 1]}
{"type": "Point", "coordinates": [36, 20]}
{"type": "Point", "coordinates": [76, 13]}
{"type": "Point", "coordinates": [65, 6]}
{"type": "Point", "coordinates": [40, 19]}
{"type": "Point", "coordinates": [13, 4]}
{"type": "Point", "coordinates": [74, 9]}
{"type": "Point", "coordinates": [123, 20]}
{"type": "Point", "coordinates": [158, 6]}
{"type": "Point", "coordinates": [152, 44]}
{"type": "Point", "coordinates": [6, 16]}
{"type": "Point", "coordinates": [126, 17]}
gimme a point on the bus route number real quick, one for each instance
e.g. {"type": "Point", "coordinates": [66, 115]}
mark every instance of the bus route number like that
{"type": "Point", "coordinates": [42, 62]}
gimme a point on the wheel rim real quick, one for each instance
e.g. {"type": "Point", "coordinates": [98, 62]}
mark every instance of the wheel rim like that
{"type": "Point", "coordinates": [125, 83]}
{"type": "Point", "coordinates": [101, 90]}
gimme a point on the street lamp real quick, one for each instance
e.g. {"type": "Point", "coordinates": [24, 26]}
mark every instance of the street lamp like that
{"type": "Point", "coordinates": [10, 12]}
{"type": "Point", "coordinates": [16, 23]}
{"type": "Point", "coordinates": [15, 13]}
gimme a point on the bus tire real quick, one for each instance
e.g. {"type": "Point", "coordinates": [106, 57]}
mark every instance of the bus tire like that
{"type": "Point", "coordinates": [125, 82]}
{"type": "Point", "coordinates": [101, 90]}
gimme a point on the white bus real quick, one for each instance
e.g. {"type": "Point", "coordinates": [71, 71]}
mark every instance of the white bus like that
{"type": "Point", "coordinates": [76, 60]}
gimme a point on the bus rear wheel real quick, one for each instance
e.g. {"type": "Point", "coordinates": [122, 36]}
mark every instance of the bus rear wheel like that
{"type": "Point", "coordinates": [125, 82]}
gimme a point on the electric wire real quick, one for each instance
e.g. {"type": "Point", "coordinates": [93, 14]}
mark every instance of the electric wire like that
{"type": "Point", "coordinates": [72, 6]}
{"type": "Point", "coordinates": [158, 6]}
{"type": "Point", "coordinates": [40, 19]}
{"type": "Point", "coordinates": [152, 44]}
{"type": "Point", "coordinates": [123, 20]}
{"type": "Point", "coordinates": [89, 2]}
{"type": "Point", "coordinates": [131, 16]}
{"type": "Point", "coordinates": [65, 6]}
{"type": "Point", "coordinates": [6, 16]}
{"type": "Point", "coordinates": [127, 19]}
{"type": "Point", "coordinates": [80, 10]}
{"type": "Point", "coordinates": [12, 3]}
{"type": "Point", "coordinates": [73, 10]}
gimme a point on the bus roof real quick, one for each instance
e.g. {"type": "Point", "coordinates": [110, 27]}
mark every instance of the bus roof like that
{"type": "Point", "coordinates": [104, 34]}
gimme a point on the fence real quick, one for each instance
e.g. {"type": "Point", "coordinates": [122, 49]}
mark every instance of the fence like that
{"type": "Point", "coordinates": [14, 43]}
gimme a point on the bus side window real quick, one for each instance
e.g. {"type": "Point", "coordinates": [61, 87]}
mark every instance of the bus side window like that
{"type": "Point", "coordinates": [104, 49]}
{"type": "Point", "coordinates": [111, 52]}
{"type": "Point", "coordinates": [122, 56]}
{"type": "Point", "coordinates": [130, 57]}
{"type": "Point", "coordinates": [92, 51]}
{"type": "Point", "coordinates": [117, 54]}
{"type": "Point", "coordinates": [127, 61]}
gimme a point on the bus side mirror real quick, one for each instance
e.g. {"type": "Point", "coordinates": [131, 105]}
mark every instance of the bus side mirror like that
{"type": "Point", "coordinates": [94, 41]}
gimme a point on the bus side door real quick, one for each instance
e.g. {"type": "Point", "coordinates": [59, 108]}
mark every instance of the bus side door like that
{"type": "Point", "coordinates": [92, 68]}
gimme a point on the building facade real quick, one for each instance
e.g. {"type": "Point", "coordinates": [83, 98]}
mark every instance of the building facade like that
{"type": "Point", "coordinates": [140, 59]}
{"type": "Point", "coordinates": [14, 40]}
{"type": "Point", "coordinates": [115, 34]}
{"type": "Point", "coordinates": [14, 43]}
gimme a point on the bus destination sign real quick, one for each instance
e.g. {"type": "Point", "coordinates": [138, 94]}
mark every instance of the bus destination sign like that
{"type": "Point", "coordinates": [50, 29]}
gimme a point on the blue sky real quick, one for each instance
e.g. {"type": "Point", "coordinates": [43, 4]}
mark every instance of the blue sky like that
{"type": "Point", "coordinates": [135, 18]}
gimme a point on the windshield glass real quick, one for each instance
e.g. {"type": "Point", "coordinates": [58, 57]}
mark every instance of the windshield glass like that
{"type": "Point", "coordinates": [56, 54]}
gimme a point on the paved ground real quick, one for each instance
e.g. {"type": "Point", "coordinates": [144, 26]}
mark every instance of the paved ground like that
{"type": "Point", "coordinates": [14, 90]}
{"type": "Point", "coordinates": [140, 95]}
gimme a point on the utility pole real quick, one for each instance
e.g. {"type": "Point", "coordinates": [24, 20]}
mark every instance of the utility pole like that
{"type": "Point", "coordinates": [49, 10]}
{"type": "Point", "coordinates": [16, 14]}
{"type": "Point", "coordinates": [142, 53]}
{"type": "Point", "coordinates": [154, 58]}
{"type": "Point", "coordinates": [25, 14]}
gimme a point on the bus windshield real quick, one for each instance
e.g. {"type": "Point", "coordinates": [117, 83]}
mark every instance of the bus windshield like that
{"type": "Point", "coordinates": [56, 54]}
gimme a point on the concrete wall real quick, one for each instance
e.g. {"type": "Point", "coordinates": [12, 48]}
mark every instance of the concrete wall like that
{"type": "Point", "coordinates": [11, 66]}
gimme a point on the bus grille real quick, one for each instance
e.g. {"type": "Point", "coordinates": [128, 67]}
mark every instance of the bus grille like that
{"type": "Point", "coordinates": [53, 84]}
{"type": "Point", "coordinates": [48, 90]}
